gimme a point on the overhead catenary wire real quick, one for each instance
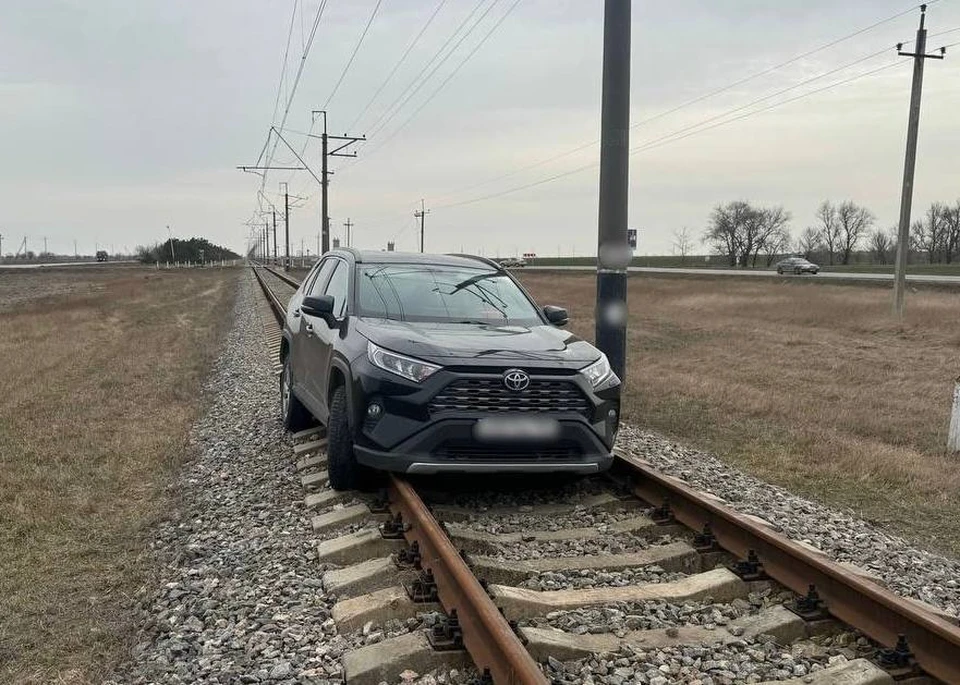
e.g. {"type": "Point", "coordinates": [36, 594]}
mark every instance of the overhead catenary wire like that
{"type": "Point", "coordinates": [447, 80]}
{"type": "Point", "coordinates": [397, 65]}
{"type": "Point", "coordinates": [353, 55]}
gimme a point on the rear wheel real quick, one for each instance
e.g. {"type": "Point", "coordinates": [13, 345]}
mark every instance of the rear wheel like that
{"type": "Point", "coordinates": [345, 472]}
{"type": "Point", "coordinates": [295, 416]}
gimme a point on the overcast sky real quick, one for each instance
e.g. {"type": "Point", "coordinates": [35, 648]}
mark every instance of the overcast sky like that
{"type": "Point", "coordinates": [122, 117]}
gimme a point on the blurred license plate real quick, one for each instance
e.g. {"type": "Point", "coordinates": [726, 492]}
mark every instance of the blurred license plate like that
{"type": "Point", "coordinates": [514, 430]}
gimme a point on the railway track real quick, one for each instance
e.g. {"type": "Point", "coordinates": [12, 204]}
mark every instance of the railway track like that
{"type": "Point", "coordinates": [616, 579]}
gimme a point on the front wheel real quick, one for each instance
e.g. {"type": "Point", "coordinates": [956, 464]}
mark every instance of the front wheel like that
{"type": "Point", "coordinates": [345, 472]}
{"type": "Point", "coordinates": [294, 415]}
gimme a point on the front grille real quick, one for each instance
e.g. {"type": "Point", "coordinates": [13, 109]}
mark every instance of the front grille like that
{"type": "Point", "coordinates": [456, 450]}
{"type": "Point", "coordinates": [491, 395]}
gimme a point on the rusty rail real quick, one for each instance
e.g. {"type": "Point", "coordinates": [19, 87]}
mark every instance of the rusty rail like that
{"type": "Point", "coordinates": [489, 639]}
{"type": "Point", "coordinates": [866, 606]}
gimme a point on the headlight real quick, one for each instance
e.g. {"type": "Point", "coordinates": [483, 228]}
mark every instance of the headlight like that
{"type": "Point", "coordinates": [599, 372]}
{"type": "Point", "coordinates": [406, 367]}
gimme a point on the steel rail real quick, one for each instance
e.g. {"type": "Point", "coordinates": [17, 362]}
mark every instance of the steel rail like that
{"type": "Point", "coordinates": [279, 311]}
{"type": "Point", "coordinates": [877, 612]}
{"type": "Point", "coordinates": [487, 636]}
{"type": "Point", "coordinates": [292, 282]}
{"type": "Point", "coordinates": [492, 644]}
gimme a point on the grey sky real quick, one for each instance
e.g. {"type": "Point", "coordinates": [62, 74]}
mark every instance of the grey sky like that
{"type": "Point", "coordinates": [122, 117]}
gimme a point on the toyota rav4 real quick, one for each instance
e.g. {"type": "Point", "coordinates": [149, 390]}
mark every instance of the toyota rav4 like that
{"type": "Point", "coordinates": [441, 363]}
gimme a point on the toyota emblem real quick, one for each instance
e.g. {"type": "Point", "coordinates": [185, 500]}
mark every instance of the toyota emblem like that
{"type": "Point", "coordinates": [516, 379]}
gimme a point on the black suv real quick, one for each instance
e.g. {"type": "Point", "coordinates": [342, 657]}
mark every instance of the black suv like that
{"type": "Point", "coordinates": [441, 363]}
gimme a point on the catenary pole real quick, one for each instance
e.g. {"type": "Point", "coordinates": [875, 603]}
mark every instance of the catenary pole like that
{"type": "Point", "coordinates": [910, 162]}
{"type": "Point", "coordinates": [613, 252]}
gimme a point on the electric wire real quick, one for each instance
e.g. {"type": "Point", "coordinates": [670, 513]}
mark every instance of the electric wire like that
{"type": "Point", "coordinates": [698, 99]}
{"type": "Point", "coordinates": [397, 66]}
{"type": "Point", "coordinates": [353, 56]}
{"type": "Point", "coordinates": [672, 137]}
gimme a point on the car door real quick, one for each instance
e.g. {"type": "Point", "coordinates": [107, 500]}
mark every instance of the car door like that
{"type": "Point", "coordinates": [302, 329]}
{"type": "Point", "coordinates": [319, 340]}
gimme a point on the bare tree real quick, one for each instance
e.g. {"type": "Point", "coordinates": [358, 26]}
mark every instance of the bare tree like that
{"type": "Point", "coordinates": [880, 245]}
{"type": "Point", "coordinates": [809, 242]}
{"type": "Point", "coordinates": [682, 242]}
{"type": "Point", "coordinates": [854, 222]}
{"type": "Point", "coordinates": [951, 220]}
{"type": "Point", "coordinates": [930, 234]}
{"type": "Point", "coordinates": [829, 229]}
{"type": "Point", "coordinates": [742, 232]}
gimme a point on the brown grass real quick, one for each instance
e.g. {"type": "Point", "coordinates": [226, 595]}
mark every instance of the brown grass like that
{"type": "Point", "coordinates": [806, 385]}
{"type": "Point", "coordinates": [101, 373]}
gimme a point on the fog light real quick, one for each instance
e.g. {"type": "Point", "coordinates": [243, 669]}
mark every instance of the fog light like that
{"type": "Point", "coordinates": [612, 416]}
{"type": "Point", "coordinates": [374, 410]}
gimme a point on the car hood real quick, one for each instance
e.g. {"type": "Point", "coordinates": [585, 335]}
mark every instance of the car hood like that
{"type": "Point", "coordinates": [444, 343]}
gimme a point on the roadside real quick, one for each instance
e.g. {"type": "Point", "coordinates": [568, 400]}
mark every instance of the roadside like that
{"type": "Point", "coordinates": [102, 378]}
{"type": "Point", "coordinates": [812, 389]}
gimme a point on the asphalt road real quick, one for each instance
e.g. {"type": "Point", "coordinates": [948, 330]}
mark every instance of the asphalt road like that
{"type": "Point", "coordinates": [829, 275]}
{"type": "Point", "coordinates": [51, 265]}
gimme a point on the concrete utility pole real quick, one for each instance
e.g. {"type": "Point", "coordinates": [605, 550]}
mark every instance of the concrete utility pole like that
{"type": "Point", "coordinates": [349, 225]}
{"type": "Point", "coordinates": [420, 215]}
{"type": "Point", "coordinates": [1, 245]}
{"type": "Point", "coordinates": [286, 224]}
{"type": "Point", "coordinates": [613, 251]}
{"type": "Point", "coordinates": [274, 236]}
{"type": "Point", "coordinates": [910, 163]}
{"type": "Point", "coordinates": [325, 174]}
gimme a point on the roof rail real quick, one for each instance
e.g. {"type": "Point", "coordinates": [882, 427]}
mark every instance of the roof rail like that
{"type": "Point", "coordinates": [486, 260]}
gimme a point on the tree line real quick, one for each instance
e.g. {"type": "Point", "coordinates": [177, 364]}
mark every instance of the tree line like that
{"type": "Point", "coordinates": [746, 234]}
{"type": "Point", "coordinates": [192, 250]}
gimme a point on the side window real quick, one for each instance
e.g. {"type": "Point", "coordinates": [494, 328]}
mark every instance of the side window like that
{"type": "Point", "coordinates": [316, 288]}
{"type": "Point", "coordinates": [339, 287]}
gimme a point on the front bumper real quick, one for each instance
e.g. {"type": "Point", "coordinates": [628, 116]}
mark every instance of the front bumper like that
{"type": "Point", "coordinates": [408, 438]}
{"type": "Point", "coordinates": [449, 446]}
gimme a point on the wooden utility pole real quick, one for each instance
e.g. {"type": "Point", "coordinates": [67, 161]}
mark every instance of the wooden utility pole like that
{"type": "Point", "coordinates": [910, 163]}
{"type": "Point", "coordinates": [420, 214]}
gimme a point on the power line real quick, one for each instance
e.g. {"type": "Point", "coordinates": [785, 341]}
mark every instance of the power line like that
{"type": "Point", "coordinates": [356, 49]}
{"type": "Point", "coordinates": [670, 138]}
{"type": "Point", "coordinates": [397, 66]}
{"type": "Point", "coordinates": [283, 66]}
{"type": "Point", "coordinates": [293, 91]}
{"type": "Point", "coordinates": [430, 98]}
{"type": "Point", "coordinates": [377, 126]}
{"type": "Point", "coordinates": [700, 98]}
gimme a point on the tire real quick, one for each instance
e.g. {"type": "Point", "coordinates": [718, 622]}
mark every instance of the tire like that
{"type": "Point", "coordinates": [294, 415]}
{"type": "Point", "coordinates": [345, 472]}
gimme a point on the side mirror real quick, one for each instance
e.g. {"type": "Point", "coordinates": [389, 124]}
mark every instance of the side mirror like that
{"type": "Point", "coordinates": [320, 306]}
{"type": "Point", "coordinates": [556, 315]}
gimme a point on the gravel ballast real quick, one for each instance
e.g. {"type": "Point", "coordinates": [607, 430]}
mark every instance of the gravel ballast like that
{"type": "Point", "coordinates": [902, 567]}
{"type": "Point", "coordinates": [240, 598]}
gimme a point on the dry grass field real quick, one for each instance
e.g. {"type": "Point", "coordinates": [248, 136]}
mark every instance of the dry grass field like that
{"type": "Point", "coordinates": [807, 385]}
{"type": "Point", "coordinates": [101, 370]}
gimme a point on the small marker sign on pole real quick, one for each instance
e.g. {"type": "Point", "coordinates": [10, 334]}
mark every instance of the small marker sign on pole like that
{"type": "Point", "coordinates": [953, 437]}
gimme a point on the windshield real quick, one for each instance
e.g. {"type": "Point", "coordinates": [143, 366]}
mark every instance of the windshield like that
{"type": "Point", "coordinates": [444, 294]}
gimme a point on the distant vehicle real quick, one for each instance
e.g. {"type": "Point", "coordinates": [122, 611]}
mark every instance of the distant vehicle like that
{"type": "Point", "coordinates": [797, 265]}
{"type": "Point", "coordinates": [101, 255]}
{"type": "Point", "coordinates": [508, 262]}
{"type": "Point", "coordinates": [430, 364]}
